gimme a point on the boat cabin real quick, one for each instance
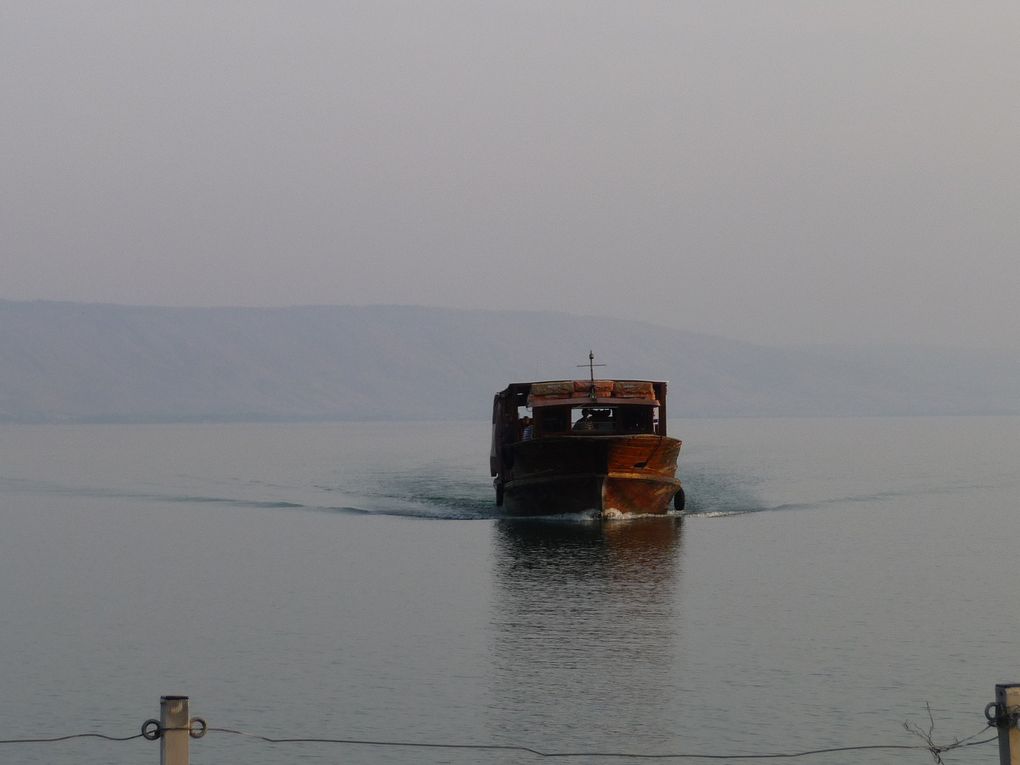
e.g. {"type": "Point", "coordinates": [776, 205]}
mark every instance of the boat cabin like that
{"type": "Point", "coordinates": [582, 408]}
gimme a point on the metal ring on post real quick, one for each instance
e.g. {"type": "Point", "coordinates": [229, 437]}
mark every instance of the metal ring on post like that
{"type": "Point", "coordinates": [151, 730]}
{"type": "Point", "coordinates": [998, 715]}
{"type": "Point", "coordinates": [197, 732]}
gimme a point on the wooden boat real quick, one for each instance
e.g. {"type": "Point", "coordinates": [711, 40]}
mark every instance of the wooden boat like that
{"type": "Point", "coordinates": [589, 446]}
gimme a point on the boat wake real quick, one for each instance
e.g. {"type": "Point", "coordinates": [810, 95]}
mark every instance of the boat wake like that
{"type": "Point", "coordinates": [457, 503]}
{"type": "Point", "coordinates": [718, 500]}
{"type": "Point", "coordinates": [716, 494]}
{"type": "Point", "coordinates": [710, 494]}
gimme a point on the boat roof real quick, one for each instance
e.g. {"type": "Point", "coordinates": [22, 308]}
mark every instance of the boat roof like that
{"type": "Point", "coordinates": [592, 393]}
{"type": "Point", "coordinates": [518, 385]}
{"type": "Point", "coordinates": [594, 403]}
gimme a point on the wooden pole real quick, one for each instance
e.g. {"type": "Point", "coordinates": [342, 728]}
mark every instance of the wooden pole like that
{"type": "Point", "coordinates": [1007, 699]}
{"type": "Point", "coordinates": [175, 721]}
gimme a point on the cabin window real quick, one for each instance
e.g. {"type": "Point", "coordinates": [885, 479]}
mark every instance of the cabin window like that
{"type": "Point", "coordinates": [600, 420]}
{"type": "Point", "coordinates": [637, 419]}
{"type": "Point", "coordinates": [591, 419]}
{"type": "Point", "coordinates": [552, 419]}
{"type": "Point", "coordinates": [594, 420]}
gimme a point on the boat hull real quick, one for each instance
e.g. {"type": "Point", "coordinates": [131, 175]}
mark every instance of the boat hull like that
{"type": "Point", "coordinates": [609, 475]}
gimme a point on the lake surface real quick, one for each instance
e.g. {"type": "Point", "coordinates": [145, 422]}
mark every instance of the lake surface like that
{"type": "Point", "coordinates": [355, 581]}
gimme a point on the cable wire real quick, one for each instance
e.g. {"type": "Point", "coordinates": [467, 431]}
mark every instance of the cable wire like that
{"type": "Point", "coordinates": [66, 738]}
{"type": "Point", "coordinates": [934, 749]}
{"type": "Point", "coordinates": [623, 755]}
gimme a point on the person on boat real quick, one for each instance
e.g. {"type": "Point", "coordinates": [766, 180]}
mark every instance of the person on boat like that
{"type": "Point", "coordinates": [528, 432]}
{"type": "Point", "coordinates": [586, 422]}
{"type": "Point", "coordinates": [603, 420]}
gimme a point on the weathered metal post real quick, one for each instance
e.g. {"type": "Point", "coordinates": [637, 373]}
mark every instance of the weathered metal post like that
{"type": "Point", "coordinates": [175, 723]}
{"type": "Point", "coordinates": [1007, 700]}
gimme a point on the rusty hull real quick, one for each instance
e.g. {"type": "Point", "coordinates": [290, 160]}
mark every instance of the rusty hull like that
{"type": "Point", "coordinates": [626, 474]}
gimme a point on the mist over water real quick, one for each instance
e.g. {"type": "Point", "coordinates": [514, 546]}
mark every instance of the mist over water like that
{"type": "Point", "coordinates": [356, 580]}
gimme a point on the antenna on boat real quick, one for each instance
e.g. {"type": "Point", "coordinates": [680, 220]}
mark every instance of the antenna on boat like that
{"type": "Point", "coordinates": [591, 371]}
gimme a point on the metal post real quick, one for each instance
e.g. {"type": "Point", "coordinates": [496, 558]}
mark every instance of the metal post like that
{"type": "Point", "coordinates": [174, 720]}
{"type": "Point", "coordinates": [1007, 699]}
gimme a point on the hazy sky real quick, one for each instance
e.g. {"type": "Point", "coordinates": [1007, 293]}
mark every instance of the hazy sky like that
{"type": "Point", "coordinates": [775, 171]}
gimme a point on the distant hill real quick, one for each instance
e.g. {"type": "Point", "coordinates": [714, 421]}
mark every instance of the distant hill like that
{"type": "Point", "coordinates": [110, 363]}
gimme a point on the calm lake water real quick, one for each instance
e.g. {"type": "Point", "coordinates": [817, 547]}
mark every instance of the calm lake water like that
{"type": "Point", "coordinates": [355, 581]}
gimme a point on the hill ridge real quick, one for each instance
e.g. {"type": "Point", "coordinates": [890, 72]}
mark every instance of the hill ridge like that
{"type": "Point", "coordinates": [95, 362]}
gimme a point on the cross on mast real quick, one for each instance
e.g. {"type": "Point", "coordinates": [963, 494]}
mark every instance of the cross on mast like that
{"type": "Point", "coordinates": [591, 371]}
